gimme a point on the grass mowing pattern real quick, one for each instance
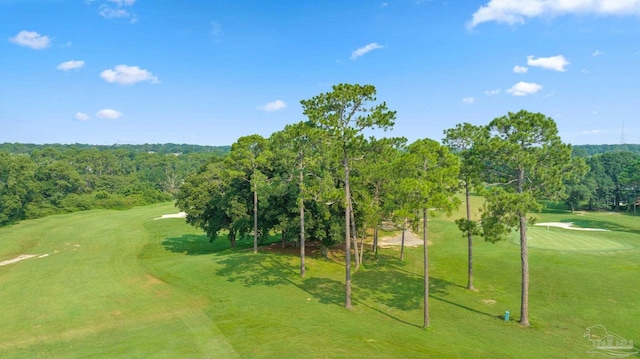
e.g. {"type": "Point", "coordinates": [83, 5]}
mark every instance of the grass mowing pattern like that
{"type": "Point", "coordinates": [123, 285]}
{"type": "Point", "coordinates": [563, 239]}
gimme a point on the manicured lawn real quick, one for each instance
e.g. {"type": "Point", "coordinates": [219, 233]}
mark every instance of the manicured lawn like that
{"type": "Point", "coordinates": [120, 284]}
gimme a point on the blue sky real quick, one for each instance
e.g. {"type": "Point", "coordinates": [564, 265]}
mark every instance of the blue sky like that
{"type": "Point", "coordinates": [207, 72]}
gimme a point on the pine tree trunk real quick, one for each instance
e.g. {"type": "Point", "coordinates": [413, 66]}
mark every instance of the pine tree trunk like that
{"type": "Point", "coordinates": [524, 259]}
{"type": "Point", "coordinates": [347, 218]}
{"type": "Point", "coordinates": [364, 232]}
{"type": "Point", "coordinates": [402, 245]}
{"type": "Point", "coordinates": [301, 228]}
{"type": "Point", "coordinates": [354, 236]}
{"type": "Point", "coordinates": [426, 268]}
{"type": "Point", "coordinates": [255, 218]}
{"type": "Point", "coordinates": [375, 242]}
{"type": "Point", "coordinates": [524, 256]}
{"type": "Point", "coordinates": [469, 239]}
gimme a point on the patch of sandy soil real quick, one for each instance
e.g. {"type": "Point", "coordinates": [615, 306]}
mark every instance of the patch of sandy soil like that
{"type": "Point", "coordinates": [174, 215]}
{"type": "Point", "coordinates": [568, 225]}
{"type": "Point", "coordinates": [410, 240]}
{"type": "Point", "coordinates": [17, 259]}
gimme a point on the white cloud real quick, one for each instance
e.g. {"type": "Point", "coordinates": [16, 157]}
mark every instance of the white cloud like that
{"type": "Point", "coordinates": [492, 92]}
{"type": "Point", "coordinates": [517, 11]}
{"type": "Point", "coordinates": [109, 114]}
{"type": "Point", "coordinates": [31, 39]}
{"type": "Point", "coordinates": [520, 69]}
{"type": "Point", "coordinates": [112, 13]}
{"type": "Point", "coordinates": [128, 75]}
{"type": "Point", "coordinates": [365, 49]}
{"type": "Point", "coordinates": [468, 100]}
{"type": "Point", "coordinates": [556, 63]}
{"type": "Point", "coordinates": [524, 88]}
{"type": "Point", "coordinates": [70, 65]}
{"type": "Point", "coordinates": [593, 132]}
{"type": "Point", "coordinates": [597, 53]}
{"type": "Point", "coordinates": [273, 106]}
{"type": "Point", "coordinates": [81, 116]}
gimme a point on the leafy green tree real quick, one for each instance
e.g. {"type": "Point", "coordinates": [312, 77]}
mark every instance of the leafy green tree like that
{"type": "Point", "coordinates": [525, 161]}
{"type": "Point", "coordinates": [615, 164]}
{"type": "Point", "coordinates": [344, 113]}
{"type": "Point", "coordinates": [461, 140]}
{"type": "Point", "coordinates": [19, 188]}
{"type": "Point", "coordinates": [431, 181]}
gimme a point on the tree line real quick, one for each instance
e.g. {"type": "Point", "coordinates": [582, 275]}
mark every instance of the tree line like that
{"type": "Point", "coordinates": [39, 180]}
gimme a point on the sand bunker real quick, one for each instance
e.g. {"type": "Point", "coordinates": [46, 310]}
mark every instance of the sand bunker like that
{"type": "Point", "coordinates": [174, 215]}
{"type": "Point", "coordinates": [410, 240]}
{"type": "Point", "coordinates": [568, 225]}
{"type": "Point", "coordinates": [17, 259]}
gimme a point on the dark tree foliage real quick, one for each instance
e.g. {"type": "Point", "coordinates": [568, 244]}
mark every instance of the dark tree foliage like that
{"type": "Point", "coordinates": [39, 180]}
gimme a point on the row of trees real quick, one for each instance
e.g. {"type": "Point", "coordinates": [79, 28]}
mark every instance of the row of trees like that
{"type": "Point", "coordinates": [40, 180]}
{"type": "Point", "coordinates": [323, 179]}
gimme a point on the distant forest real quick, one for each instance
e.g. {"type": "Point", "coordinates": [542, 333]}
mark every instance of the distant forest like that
{"type": "Point", "coordinates": [590, 150]}
{"type": "Point", "coordinates": [39, 180]}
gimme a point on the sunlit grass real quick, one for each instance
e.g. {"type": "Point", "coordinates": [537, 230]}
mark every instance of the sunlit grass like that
{"type": "Point", "coordinates": [119, 284]}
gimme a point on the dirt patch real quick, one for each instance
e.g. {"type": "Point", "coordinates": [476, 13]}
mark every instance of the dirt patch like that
{"type": "Point", "coordinates": [488, 301]}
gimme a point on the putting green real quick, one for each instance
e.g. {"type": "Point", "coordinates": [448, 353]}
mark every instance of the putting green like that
{"type": "Point", "coordinates": [562, 239]}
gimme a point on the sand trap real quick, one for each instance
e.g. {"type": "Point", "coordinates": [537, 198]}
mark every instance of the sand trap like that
{"type": "Point", "coordinates": [17, 259]}
{"type": "Point", "coordinates": [174, 215]}
{"type": "Point", "coordinates": [568, 225]}
{"type": "Point", "coordinates": [410, 240]}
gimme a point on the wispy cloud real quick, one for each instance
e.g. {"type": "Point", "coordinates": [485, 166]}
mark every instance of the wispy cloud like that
{"type": "Point", "coordinates": [365, 49]}
{"type": "Point", "coordinates": [81, 116]}
{"type": "Point", "coordinates": [597, 53]}
{"type": "Point", "coordinates": [556, 63]}
{"type": "Point", "coordinates": [70, 65]}
{"type": "Point", "coordinates": [109, 114]}
{"type": "Point", "coordinates": [492, 92]}
{"type": "Point", "coordinates": [468, 100]}
{"type": "Point", "coordinates": [31, 39]}
{"type": "Point", "coordinates": [520, 69]}
{"type": "Point", "coordinates": [215, 29]}
{"type": "Point", "coordinates": [128, 75]}
{"type": "Point", "coordinates": [273, 106]}
{"type": "Point", "coordinates": [116, 9]}
{"type": "Point", "coordinates": [524, 88]}
{"type": "Point", "coordinates": [516, 12]}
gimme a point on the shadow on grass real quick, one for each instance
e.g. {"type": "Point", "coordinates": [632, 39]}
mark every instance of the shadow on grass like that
{"type": "Point", "coordinates": [190, 244]}
{"type": "Point", "coordinates": [391, 287]}
{"type": "Point", "coordinates": [596, 223]}
{"type": "Point", "coordinates": [193, 244]}
{"type": "Point", "coordinates": [273, 270]}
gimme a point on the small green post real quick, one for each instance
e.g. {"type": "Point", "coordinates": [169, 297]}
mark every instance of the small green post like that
{"type": "Point", "coordinates": [506, 316]}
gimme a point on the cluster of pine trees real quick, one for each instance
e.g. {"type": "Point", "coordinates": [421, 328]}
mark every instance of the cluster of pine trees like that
{"type": "Point", "coordinates": [325, 180]}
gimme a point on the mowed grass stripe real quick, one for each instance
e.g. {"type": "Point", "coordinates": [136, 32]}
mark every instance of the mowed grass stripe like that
{"type": "Point", "coordinates": [570, 240]}
{"type": "Point", "coordinates": [91, 296]}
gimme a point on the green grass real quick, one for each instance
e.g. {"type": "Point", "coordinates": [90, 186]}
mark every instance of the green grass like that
{"type": "Point", "coordinates": [119, 284]}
